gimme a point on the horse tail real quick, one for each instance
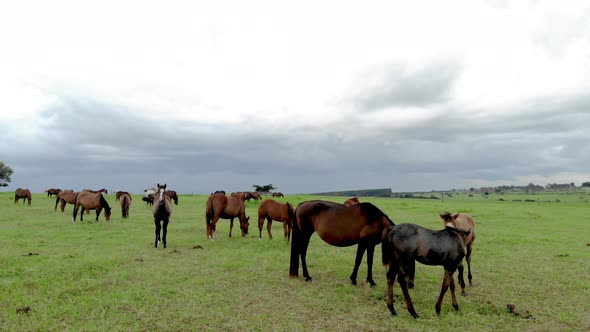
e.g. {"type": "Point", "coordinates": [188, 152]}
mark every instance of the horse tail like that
{"type": "Point", "coordinates": [75, 209]}
{"type": "Point", "coordinates": [386, 246]}
{"type": "Point", "coordinates": [209, 214]}
{"type": "Point", "coordinates": [56, 202]}
{"type": "Point", "coordinates": [295, 247]}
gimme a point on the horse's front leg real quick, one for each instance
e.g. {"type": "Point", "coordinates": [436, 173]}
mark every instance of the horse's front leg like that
{"type": "Point", "coordinates": [98, 210]}
{"type": "Point", "coordinates": [360, 251]}
{"type": "Point", "coordinates": [157, 222]}
{"type": "Point", "coordinates": [164, 231]}
{"type": "Point", "coordinates": [370, 252]}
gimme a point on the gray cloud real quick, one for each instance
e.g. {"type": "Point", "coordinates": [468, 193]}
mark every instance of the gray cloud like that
{"type": "Point", "coordinates": [397, 85]}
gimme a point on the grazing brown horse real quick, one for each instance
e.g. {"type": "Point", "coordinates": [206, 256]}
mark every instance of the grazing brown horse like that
{"type": "Point", "coordinates": [125, 199]}
{"type": "Point", "coordinates": [340, 226]}
{"type": "Point", "coordinates": [465, 222]}
{"type": "Point", "coordinates": [277, 194]}
{"type": "Point", "coordinates": [272, 210]}
{"type": "Point", "coordinates": [52, 191]}
{"type": "Point", "coordinates": [162, 210]}
{"type": "Point", "coordinates": [351, 201]}
{"type": "Point", "coordinates": [256, 195]}
{"type": "Point", "coordinates": [172, 194]}
{"type": "Point", "coordinates": [404, 244]}
{"type": "Point", "coordinates": [65, 197]}
{"type": "Point", "coordinates": [221, 206]}
{"type": "Point", "coordinates": [23, 193]}
{"type": "Point", "coordinates": [89, 201]}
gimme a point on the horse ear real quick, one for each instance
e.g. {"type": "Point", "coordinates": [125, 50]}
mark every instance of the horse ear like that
{"type": "Point", "coordinates": [158, 184]}
{"type": "Point", "coordinates": [165, 185]}
{"type": "Point", "coordinates": [455, 216]}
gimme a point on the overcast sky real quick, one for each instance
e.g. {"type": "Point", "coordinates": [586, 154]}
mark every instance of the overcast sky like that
{"type": "Point", "coordinates": [309, 96]}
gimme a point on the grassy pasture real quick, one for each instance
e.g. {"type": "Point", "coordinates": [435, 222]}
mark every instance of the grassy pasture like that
{"type": "Point", "coordinates": [91, 275]}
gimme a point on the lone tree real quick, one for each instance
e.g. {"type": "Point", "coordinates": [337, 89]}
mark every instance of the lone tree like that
{"type": "Point", "coordinates": [263, 189]}
{"type": "Point", "coordinates": [5, 173]}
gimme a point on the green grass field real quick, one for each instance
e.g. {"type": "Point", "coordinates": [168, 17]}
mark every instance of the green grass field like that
{"type": "Point", "coordinates": [56, 275]}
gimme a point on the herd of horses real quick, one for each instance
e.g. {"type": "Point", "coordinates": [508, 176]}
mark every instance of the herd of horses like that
{"type": "Point", "coordinates": [352, 223]}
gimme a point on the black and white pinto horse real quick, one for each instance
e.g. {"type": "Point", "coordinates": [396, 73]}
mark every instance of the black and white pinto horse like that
{"type": "Point", "coordinates": [161, 210]}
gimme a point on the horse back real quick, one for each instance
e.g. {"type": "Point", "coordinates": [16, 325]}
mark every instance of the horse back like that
{"type": "Point", "coordinates": [275, 210]}
{"type": "Point", "coordinates": [339, 225]}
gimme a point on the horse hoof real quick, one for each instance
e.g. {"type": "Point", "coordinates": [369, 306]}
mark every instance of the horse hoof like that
{"type": "Point", "coordinates": [464, 294]}
{"type": "Point", "coordinates": [456, 307]}
{"type": "Point", "coordinates": [308, 279]}
{"type": "Point", "coordinates": [353, 282]}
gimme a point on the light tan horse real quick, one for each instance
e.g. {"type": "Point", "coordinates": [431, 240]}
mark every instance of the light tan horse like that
{"type": "Point", "coordinates": [22, 193]}
{"type": "Point", "coordinates": [272, 210]}
{"type": "Point", "coordinates": [464, 222]}
{"type": "Point", "coordinates": [90, 200]}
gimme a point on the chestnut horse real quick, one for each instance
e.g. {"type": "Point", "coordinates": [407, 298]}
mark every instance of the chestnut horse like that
{"type": "Point", "coordinates": [161, 211]}
{"type": "Point", "coordinates": [172, 194]}
{"type": "Point", "coordinates": [404, 244]}
{"type": "Point", "coordinates": [65, 197]}
{"type": "Point", "coordinates": [23, 193]}
{"type": "Point", "coordinates": [340, 226]}
{"type": "Point", "coordinates": [465, 222]}
{"type": "Point", "coordinates": [89, 201]}
{"type": "Point", "coordinates": [125, 199]}
{"type": "Point", "coordinates": [52, 191]}
{"type": "Point", "coordinates": [351, 201]}
{"type": "Point", "coordinates": [272, 210]}
{"type": "Point", "coordinates": [221, 206]}
{"type": "Point", "coordinates": [277, 194]}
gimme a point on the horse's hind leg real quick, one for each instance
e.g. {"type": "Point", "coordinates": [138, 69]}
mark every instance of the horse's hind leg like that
{"type": "Point", "coordinates": [443, 290]}
{"type": "Point", "coordinates": [269, 227]}
{"type": "Point", "coordinates": [286, 230]}
{"type": "Point", "coordinates": [304, 245]}
{"type": "Point", "coordinates": [454, 298]}
{"type": "Point", "coordinates": [402, 279]}
{"type": "Point", "coordinates": [391, 275]}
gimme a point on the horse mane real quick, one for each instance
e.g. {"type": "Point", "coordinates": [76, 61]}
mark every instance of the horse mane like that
{"type": "Point", "coordinates": [374, 212]}
{"type": "Point", "coordinates": [458, 230]}
{"type": "Point", "coordinates": [103, 203]}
